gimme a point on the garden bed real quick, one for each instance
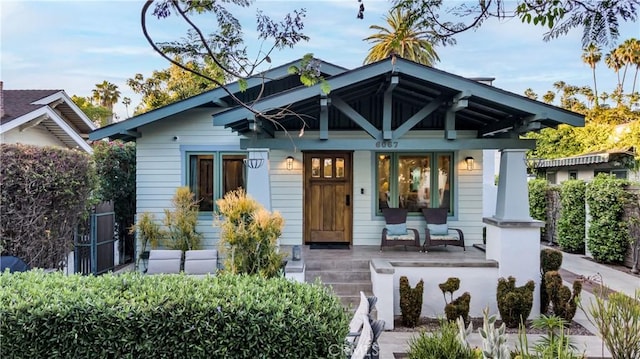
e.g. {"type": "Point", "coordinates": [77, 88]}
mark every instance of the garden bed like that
{"type": "Point", "coordinates": [431, 324]}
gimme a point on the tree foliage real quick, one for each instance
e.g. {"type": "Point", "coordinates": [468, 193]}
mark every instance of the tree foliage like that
{"type": "Point", "coordinates": [599, 20]}
{"type": "Point", "coordinates": [608, 125]}
{"type": "Point", "coordinates": [115, 164]}
{"type": "Point", "coordinates": [97, 114]}
{"type": "Point", "coordinates": [224, 46]}
{"type": "Point", "coordinates": [402, 38]}
{"type": "Point", "coordinates": [106, 95]}
{"type": "Point", "coordinates": [173, 84]}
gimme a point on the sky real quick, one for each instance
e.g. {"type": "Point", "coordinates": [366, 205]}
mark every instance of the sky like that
{"type": "Point", "coordinates": [74, 45]}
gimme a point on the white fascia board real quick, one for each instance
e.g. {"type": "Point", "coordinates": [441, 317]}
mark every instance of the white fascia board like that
{"type": "Point", "coordinates": [61, 95]}
{"type": "Point", "coordinates": [46, 110]}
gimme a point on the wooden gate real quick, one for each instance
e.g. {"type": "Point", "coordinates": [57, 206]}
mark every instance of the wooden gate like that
{"type": "Point", "coordinates": [94, 241]}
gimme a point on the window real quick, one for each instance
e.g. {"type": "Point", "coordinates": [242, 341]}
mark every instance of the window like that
{"type": "Point", "coordinates": [619, 174]}
{"type": "Point", "coordinates": [573, 175]}
{"type": "Point", "coordinates": [212, 175]}
{"type": "Point", "coordinates": [551, 177]}
{"type": "Point", "coordinates": [414, 181]}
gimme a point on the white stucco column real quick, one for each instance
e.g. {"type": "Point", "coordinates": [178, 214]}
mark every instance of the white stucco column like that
{"type": "Point", "coordinates": [489, 189]}
{"type": "Point", "coordinates": [513, 237]}
{"type": "Point", "coordinates": [258, 180]}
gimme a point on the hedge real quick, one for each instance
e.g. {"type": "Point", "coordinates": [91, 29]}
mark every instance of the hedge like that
{"type": "Point", "coordinates": [44, 193]}
{"type": "Point", "coordinates": [167, 316]}
{"type": "Point", "coordinates": [608, 235]}
{"type": "Point", "coordinates": [571, 224]}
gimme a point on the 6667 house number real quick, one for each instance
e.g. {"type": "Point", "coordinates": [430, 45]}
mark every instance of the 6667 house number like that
{"type": "Point", "coordinates": [386, 144]}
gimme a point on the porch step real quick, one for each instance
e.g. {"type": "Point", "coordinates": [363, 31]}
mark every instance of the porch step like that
{"type": "Point", "coordinates": [346, 276]}
{"type": "Point", "coordinates": [332, 276]}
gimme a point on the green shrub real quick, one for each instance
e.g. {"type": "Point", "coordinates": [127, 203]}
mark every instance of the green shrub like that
{"type": "Point", "coordinates": [608, 235]}
{"type": "Point", "coordinates": [410, 302]}
{"type": "Point", "coordinates": [115, 163]}
{"type": "Point", "coordinates": [149, 233]}
{"type": "Point", "coordinates": [455, 308]}
{"type": "Point", "coordinates": [44, 194]}
{"type": "Point", "coordinates": [442, 343]}
{"type": "Point", "coordinates": [572, 216]}
{"type": "Point", "coordinates": [617, 318]}
{"type": "Point", "coordinates": [181, 222]}
{"type": "Point", "coordinates": [167, 316]}
{"type": "Point", "coordinates": [538, 199]}
{"type": "Point", "coordinates": [249, 235]}
{"type": "Point", "coordinates": [514, 303]}
{"type": "Point", "coordinates": [550, 260]}
{"type": "Point", "coordinates": [564, 301]}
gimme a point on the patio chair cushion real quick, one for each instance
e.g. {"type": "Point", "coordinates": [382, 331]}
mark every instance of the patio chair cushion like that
{"type": "Point", "coordinates": [203, 261]}
{"type": "Point", "coordinates": [438, 229]}
{"type": "Point", "coordinates": [164, 261]}
{"type": "Point", "coordinates": [399, 229]}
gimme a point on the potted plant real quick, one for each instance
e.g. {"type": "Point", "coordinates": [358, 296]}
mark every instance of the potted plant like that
{"type": "Point", "coordinates": [149, 234]}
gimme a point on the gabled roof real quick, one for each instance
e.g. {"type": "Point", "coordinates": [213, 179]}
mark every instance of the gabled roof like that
{"type": "Point", "coordinates": [478, 106]}
{"type": "Point", "coordinates": [216, 99]}
{"type": "Point", "coordinates": [52, 109]}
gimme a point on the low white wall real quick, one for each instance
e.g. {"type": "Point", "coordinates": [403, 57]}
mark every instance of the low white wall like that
{"type": "Point", "coordinates": [479, 278]}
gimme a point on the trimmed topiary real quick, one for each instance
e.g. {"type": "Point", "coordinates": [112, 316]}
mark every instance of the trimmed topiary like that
{"type": "Point", "coordinates": [514, 303]}
{"type": "Point", "coordinates": [458, 307]}
{"type": "Point", "coordinates": [550, 260]}
{"type": "Point", "coordinates": [563, 300]}
{"type": "Point", "coordinates": [410, 302]}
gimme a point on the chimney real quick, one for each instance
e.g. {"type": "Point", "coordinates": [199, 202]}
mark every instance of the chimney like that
{"type": "Point", "coordinates": [1, 101]}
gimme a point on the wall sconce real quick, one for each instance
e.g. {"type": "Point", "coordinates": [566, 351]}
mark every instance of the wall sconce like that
{"type": "Point", "coordinates": [290, 163]}
{"type": "Point", "coordinates": [470, 161]}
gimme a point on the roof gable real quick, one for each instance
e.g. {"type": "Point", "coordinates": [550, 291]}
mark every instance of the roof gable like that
{"type": "Point", "coordinates": [409, 95]}
{"type": "Point", "coordinates": [217, 98]}
{"type": "Point", "coordinates": [52, 109]}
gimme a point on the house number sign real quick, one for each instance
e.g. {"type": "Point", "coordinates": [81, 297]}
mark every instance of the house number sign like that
{"type": "Point", "coordinates": [386, 144]}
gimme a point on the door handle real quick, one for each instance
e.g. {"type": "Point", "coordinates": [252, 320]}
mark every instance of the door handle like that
{"type": "Point", "coordinates": [348, 200]}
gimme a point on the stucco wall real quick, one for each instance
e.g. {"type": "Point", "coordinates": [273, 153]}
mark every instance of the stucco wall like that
{"type": "Point", "coordinates": [37, 135]}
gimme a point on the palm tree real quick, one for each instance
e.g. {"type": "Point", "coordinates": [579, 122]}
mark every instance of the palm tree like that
{"type": "Point", "coordinates": [106, 95]}
{"type": "Point", "coordinates": [630, 55]}
{"type": "Point", "coordinates": [126, 102]}
{"type": "Point", "coordinates": [613, 62]}
{"type": "Point", "coordinates": [591, 55]}
{"type": "Point", "coordinates": [402, 38]}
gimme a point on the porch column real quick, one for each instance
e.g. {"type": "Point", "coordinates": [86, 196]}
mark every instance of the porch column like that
{"type": "Point", "coordinates": [258, 180]}
{"type": "Point", "coordinates": [513, 237]}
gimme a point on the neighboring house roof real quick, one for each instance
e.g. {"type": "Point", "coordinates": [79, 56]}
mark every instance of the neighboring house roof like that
{"type": "Point", "coordinates": [217, 98]}
{"type": "Point", "coordinates": [395, 95]}
{"type": "Point", "coordinates": [52, 109]}
{"type": "Point", "coordinates": [593, 158]}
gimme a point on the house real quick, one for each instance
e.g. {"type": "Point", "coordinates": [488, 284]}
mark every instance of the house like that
{"type": "Point", "coordinates": [618, 162]}
{"type": "Point", "coordinates": [43, 118]}
{"type": "Point", "coordinates": [391, 133]}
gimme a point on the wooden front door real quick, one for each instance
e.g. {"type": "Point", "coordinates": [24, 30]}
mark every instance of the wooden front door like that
{"type": "Point", "coordinates": [328, 197]}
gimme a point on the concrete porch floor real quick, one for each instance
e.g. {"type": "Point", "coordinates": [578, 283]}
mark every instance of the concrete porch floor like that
{"type": "Point", "coordinates": [395, 253]}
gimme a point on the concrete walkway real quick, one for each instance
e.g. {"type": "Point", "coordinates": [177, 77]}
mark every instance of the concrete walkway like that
{"type": "Point", "coordinates": [398, 342]}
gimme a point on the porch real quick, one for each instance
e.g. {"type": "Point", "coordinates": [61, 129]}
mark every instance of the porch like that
{"type": "Point", "coordinates": [366, 268]}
